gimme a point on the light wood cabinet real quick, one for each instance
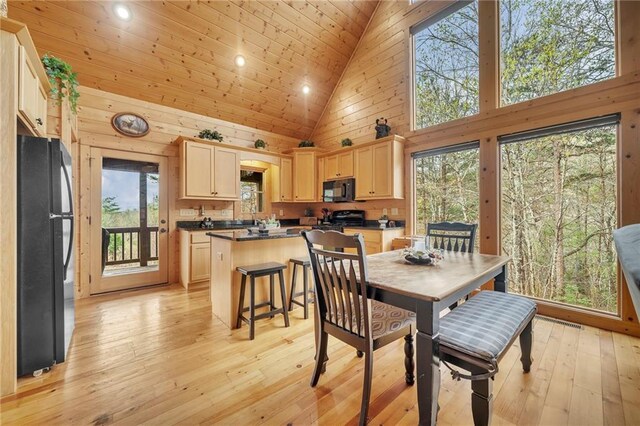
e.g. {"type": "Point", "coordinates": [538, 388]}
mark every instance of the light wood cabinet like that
{"type": "Point", "coordinates": [320, 179]}
{"type": "Point", "coordinates": [209, 172]}
{"type": "Point", "coordinates": [286, 179]}
{"type": "Point", "coordinates": [304, 176]}
{"type": "Point", "coordinates": [379, 170]}
{"type": "Point", "coordinates": [195, 257]}
{"type": "Point", "coordinates": [338, 166]}
{"type": "Point", "coordinates": [200, 262]}
{"type": "Point", "coordinates": [376, 240]}
{"type": "Point", "coordinates": [32, 96]}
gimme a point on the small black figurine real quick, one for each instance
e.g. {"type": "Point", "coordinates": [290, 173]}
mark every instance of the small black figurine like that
{"type": "Point", "coordinates": [382, 129]}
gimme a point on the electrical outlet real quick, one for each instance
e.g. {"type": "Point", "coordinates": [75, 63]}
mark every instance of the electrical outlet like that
{"type": "Point", "coordinates": [187, 212]}
{"type": "Point", "coordinates": [385, 212]}
{"type": "Point", "coordinates": [394, 211]}
{"type": "Point", "coordinates": [281, 212]}
{"type": "Point", "coordinates": [225, 213]}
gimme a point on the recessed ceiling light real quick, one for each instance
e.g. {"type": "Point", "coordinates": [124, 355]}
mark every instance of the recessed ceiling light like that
{"type": "Point", "coordinates": [122, 11]}
{"type": "Point", "coordinates": [240, 61]}
{"type": "Point", "coordinates": [306, 89]}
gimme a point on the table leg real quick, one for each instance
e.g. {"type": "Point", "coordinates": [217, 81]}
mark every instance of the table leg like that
{"type": "Point", "coordinates": [427, 362]}
{"type": "Point", "coordinates": [501, 282]}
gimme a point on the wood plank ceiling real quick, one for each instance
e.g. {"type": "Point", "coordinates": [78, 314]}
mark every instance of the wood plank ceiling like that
{"type": "Point", "coordinates": [181, 54]}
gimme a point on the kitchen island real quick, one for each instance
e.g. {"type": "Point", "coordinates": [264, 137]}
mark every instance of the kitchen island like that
{"type": "Point", "coordinates": [230, 249]}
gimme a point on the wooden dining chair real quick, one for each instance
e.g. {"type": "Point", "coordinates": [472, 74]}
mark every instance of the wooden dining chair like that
{"type": "Point", "coordinates": [452, 236]}
{"type": "Point", "coordinates": [345, 310]}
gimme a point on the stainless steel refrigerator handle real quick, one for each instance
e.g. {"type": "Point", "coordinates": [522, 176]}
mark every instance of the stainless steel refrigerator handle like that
{"type": "Point", "coordinates": [69, 191]}
{"type": "Point", "coordinates": [70, 248]}
{"type": "Point", "coordinates": [69, 217]}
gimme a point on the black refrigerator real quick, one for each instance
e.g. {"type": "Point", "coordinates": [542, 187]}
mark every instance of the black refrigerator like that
{"type": "Point", "coordinates": [45, 254]}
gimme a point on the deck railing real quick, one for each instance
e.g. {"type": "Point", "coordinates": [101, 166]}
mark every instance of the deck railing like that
{"type": "Point", "coordinates": [132, 245]}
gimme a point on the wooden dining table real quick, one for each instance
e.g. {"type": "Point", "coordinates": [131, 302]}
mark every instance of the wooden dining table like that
{"type": "Point", "coordinates": [427, 290]}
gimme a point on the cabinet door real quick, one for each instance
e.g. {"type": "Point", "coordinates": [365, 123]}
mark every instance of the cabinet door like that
{"type": "Point", "coordinates": [363, 172]}
{"type": "Point", "coordinates": [331, 167]}
{"type": "Point", "coordinates": [41, 120]}
{"type": "Point", "coordinates": [345, 164]}
{"type": "Point", "coordinates": [321, 178]}
{"type": "Point", "coordinates": [28, 89]}
{"type": "Point", "coordinates": [226, 173]}
{"type": "Point", "coordinates": [286, 177]}
{"type": "Point", "coordinates": [304, 176]}
{"type": "Point", "coordinates": [198, 171]}
{"type": "Point", "coordinates": [382, 170]}
{"type": "Point", "coordinates": [200, 261]}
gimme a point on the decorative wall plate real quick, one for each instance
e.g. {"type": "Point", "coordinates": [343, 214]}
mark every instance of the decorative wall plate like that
{"type": "Point", "coordinates": [130, 124]}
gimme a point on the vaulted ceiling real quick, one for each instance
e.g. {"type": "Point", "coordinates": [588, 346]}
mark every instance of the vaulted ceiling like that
{"type": "Point", "coordinates": [181, 54]}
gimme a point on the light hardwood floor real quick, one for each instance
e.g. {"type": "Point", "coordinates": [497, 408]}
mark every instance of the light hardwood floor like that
{"type": "Point", "coordinates": [158, 356]}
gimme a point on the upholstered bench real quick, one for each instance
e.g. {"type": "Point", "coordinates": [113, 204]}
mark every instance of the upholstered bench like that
{"type": "Point", "coordinates": [476, 335]}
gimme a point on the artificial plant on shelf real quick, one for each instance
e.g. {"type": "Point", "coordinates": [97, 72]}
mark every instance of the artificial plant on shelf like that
{"type": "Point", "coordinates": [260, 144]}
{"type": "Point", "coordinates": [306, 144]}
{"type": "Point", "coordinates": [346, 142]}
{"type": "Point", "coordinates": [64, 82]}
{"type": "Point", "coordinates": [211, 135]}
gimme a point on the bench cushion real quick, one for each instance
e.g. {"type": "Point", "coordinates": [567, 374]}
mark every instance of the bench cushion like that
{"type": "Point", "coordinates": [484, 325]}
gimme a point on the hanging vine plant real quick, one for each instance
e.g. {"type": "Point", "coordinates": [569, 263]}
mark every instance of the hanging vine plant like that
{"type": "Point", "coordinates": [64, 82]}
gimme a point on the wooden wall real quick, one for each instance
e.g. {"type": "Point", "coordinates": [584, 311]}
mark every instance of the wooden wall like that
{"type": "Point", "coordinates": [377, 82]}
{"type": "Point", "coordinates": [94, 128]}
{"type": "Point", "coordinates": [181, 54]}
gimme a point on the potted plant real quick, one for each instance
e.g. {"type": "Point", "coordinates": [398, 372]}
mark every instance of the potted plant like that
{"type": "Point", "coordinates": [306, 144]}
{"type": "Point", "coordinates": [64, 82]}
{"type": "Point", "coordinates": [346, 142]}
{"type": "Point", "coordinates": [260, 144]}
{"type": "Point", "coordinates": [211, 135]}
{"type": "Point", "coordinates": [383, 221]}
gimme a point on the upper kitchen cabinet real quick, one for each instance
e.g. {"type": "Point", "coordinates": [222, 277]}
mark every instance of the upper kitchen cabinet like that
{"type": "Point", "coordinates": [209, 171]}
{"type": "Point", "coordinates": [286, 179]}
{"type": "Point", "coordinates": [32, 98]}
{"type": "Point", "coordinates": [339, 166]}
{"type": "Point", "coordinates": [22, 65]}
{"type": "Point", "coordinates": [379, 169]}
{"type": "Point", "coordinates": [304, 174]}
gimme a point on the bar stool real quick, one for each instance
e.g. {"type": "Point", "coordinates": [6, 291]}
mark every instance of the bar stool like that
{"type": "Point", "coordinates": [306, 265]}
{"type": "Point", "coordinates": [255, 271]}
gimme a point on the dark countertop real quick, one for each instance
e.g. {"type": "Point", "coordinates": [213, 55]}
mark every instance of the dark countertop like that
{"type": "Point", "coordinates": [244, 235]}
{"type": "Point", "coordinates": [374, 228]}
{"type": "Point", "coordinates": [194, 225]}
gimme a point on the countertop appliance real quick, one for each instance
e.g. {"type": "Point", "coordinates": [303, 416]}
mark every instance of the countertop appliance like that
{"type": "Point", "coordinates": [45, 254]}
{"type": "Point", "coordinates": [339, 191]}
{"type": "Point", "coordinates": [341, 219]}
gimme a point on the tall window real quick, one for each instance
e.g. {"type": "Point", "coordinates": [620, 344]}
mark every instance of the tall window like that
{"type": "Point", "coordinates": [558, 214]}
{"type": "Point", "coordinates": [446, 185]}
{"type": "Point", "coordinates": [548, 46]}
{"type": "Point", "coordinates": [251, 191]}
{"type": "Point", "coordinates": [446, 65]}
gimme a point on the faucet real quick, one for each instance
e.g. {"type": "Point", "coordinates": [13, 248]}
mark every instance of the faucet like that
{"type": "Point", "coordinates": [253, 217]}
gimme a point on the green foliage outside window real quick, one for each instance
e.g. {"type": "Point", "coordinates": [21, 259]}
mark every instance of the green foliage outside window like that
{"type": "Point", "coordinates": [558, 193]}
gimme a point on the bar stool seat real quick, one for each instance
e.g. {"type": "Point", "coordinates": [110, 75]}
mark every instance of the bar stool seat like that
{"type": "Point", "coordinates": [306, 265]}
{"type": "Point", "coordinates": [255, 271]}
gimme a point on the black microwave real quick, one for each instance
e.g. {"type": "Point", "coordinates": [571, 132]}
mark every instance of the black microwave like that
{"type": "Point", "coordinates": [339, 191]}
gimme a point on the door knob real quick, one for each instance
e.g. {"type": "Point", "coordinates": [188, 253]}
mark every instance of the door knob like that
{"type": "Point", "coordinates": [162, 230]}
{"type": "Point", "coordinates": [39, 121]}
{"type": "Point", "coordinates": [163, 221]}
